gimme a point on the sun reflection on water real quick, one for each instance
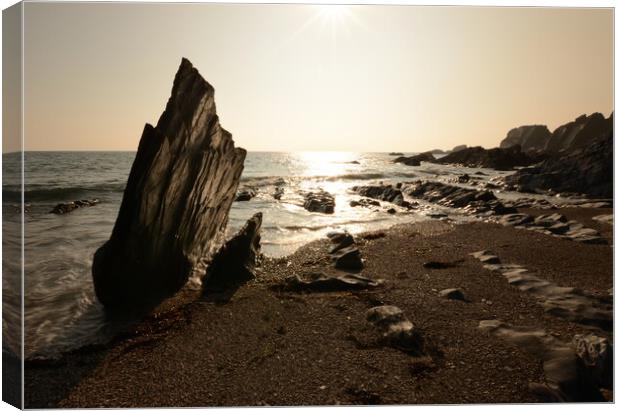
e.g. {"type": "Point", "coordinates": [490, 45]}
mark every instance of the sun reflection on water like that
{"type": "Point", "coordinates": [326, 163]}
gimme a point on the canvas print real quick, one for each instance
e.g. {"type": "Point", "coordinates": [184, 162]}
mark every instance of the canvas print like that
{"type": "Point", "coordinates": [295, 204]}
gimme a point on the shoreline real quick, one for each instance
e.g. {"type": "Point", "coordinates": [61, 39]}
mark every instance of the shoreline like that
{"type": "Point", "coordinates": [215, 350]}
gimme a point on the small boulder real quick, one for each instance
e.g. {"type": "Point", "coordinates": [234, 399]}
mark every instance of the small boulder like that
{"type": "Point", "coordinates": [452, 294]}
{"type": "Point", "coordinates": [320, 201]}
{"type": "Point", "coordinates": [246, 194]}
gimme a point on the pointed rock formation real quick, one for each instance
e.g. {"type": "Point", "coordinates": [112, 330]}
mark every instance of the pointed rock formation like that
{"type": "Point", "coordinates": [176, 202]}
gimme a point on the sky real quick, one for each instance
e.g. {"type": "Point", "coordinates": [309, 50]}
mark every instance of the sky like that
{"type": "Point", "coordinates": [308, 77]}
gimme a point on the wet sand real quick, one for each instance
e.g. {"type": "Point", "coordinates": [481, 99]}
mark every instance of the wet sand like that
{"type": "Point", "coordinates": [261, 345]}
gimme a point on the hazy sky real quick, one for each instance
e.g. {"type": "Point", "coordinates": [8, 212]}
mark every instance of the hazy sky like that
{"type": "Point", "coordinates": [299, 77]}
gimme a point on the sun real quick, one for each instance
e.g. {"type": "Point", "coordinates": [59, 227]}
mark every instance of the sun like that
{"type": "Point", "coordinates": [334, 13]}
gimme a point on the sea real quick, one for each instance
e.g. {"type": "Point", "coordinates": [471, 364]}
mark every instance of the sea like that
{"type": "Point", "coordinates": [61, 311]}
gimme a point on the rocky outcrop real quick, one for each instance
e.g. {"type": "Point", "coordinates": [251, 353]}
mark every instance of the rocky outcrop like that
{"type": "Point", "coordinates": [320, 202]}
{"type": "Point", "coordinates": [458, 148]}
{"type": "Point", "coordinates": [236, 262]}
{"type": "Point", "coordinates": [381, 192]}
{"type": "Point", "coordinates": [579, 133]}
{"type": "Point", "coordinates": [469, 200]}
{"type": "Point", "coordinates": [588, 171]}
{"type": "Point", "coordinates": [64, 208]}
{"type": "Point", "coordinates": [496, 158]}
{"type": "Point", "coordinates": [529, 138]}
{"type": "Point", "coordinates": [416, 160]}
{"type": "Point", "coordinates": [175, 206]}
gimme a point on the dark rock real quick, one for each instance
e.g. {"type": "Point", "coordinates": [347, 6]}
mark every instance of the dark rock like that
{"type": "Point", "coordinates": [470, 200]}
{"type": "Point", "coordinates": [246, 194]}
{"type": "Point", "coordinates": [597, 355]}
{"type": "Point", "coordinates": [364, 202]}
{"type": "Point", "coordinates": [278, 193]}
{"type": "Point", "coordinates": [458, 148]}
{"type": "Point", "coordinates": [387, 193]}
{"type": "Point", "coordinates": [529, 138]}
{"type": "Point", "coordinates": [236, 261]}
{"type": "Point", "coordinates": [319, 282]}
{"type": "Point", "coordinates": [452, 294]}
{"type": "Point", "coordinates": [348, 258]}
{"type": "Point", "coordinates": [438, 265]}
{"type": "Point", "coordinates": [579, 133]}
{"type": "Point", "coordinates": [340, 240]}
{"type": "Point", "coordinates": [176, 202]}
{"type": "Point", "coordinates": [463, 178]}
{"type": "Point", "coordinates": [64, 208]}
{"type": "Point", "coordinates": [416, 160]}
{"type": "Point", "coordinates": [394, 153]}
{"type": "Point", "coordinates": [496, 158]}
{"type": "Point", "coordinates": [588, 171]}
{"type": "Point", "coordinates": [320, 202]}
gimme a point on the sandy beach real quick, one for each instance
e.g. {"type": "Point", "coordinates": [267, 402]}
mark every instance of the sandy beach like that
{"type": "Point", "coordinates": [262, 345]}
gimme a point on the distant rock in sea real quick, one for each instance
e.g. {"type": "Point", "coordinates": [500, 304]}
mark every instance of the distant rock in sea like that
{"type": "Point", "coordinates": [181, 186]}
{"type": "Point", "coordinates": [416, 160]}
{"type": "Point", "coordinates": [458, 148]}
{"type": "Point", "coordinates": [496, 158]}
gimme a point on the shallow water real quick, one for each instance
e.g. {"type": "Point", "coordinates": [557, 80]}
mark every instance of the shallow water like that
{"type": "Point", "coordinates": [61, 311]}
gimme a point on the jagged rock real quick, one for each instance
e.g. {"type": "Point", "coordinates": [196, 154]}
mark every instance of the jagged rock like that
{"type": "Point", "coordinates": [496, 158]}
{"type": "Point", "coordinates": [236, 261]}
{"type": "Point", "coordinates": [246, 194]}
{"type": "Point", "coordinates": [64, 208]}
{"type": "Point", "coordinates": [395, 329]}
{"type": "Point", "coordinates": [568, 303]}
{"type": "Point", "coordinates": [470, 200]}
{"type": "Point", "coordinates": [597, 355]}
{"type": "Point", "coordinates": [417, 159]}
{"type": "Point", "coordinates": [581, 132]}
{"type": "Point", "coordinates": [527, 137]}
{"type": "Point", "coordinates": [320, 202]}
{"type": "Point", "coordinates": [319, 282]}
{"type": "Point", "coordinates": [588, 171]}
{"type": "Point", "coordinates": [464, 178]}
{"type": "Point", "coordinates": [180, 189]}
{"type": "Point", "coordinates": [565, 376]}
{"type": "Point", "coordinates": [387, 193]}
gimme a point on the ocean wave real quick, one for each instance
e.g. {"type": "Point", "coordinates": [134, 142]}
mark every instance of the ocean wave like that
{"type": "Point", "coordinates": [13, 193]}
